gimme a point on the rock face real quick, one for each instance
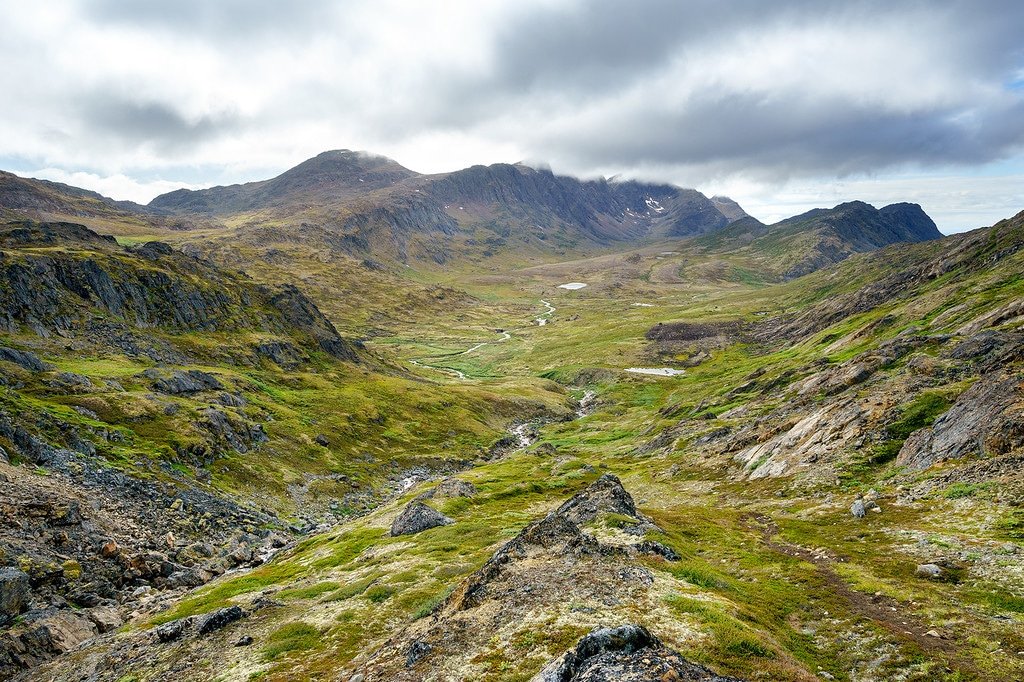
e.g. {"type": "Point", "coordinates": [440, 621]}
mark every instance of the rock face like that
{"type": "Point", "coordinates": [138, 289]}
{"type": "Point", "coordinates": [179, 383]}
{"type": "Point", "coordinates": [416, 518]}
{"type": "Point", "coordinates": [14, 594]}
{"type": "Point", "coordinates": [604, 495]}
{"type": "Point", "coordinates": [24, 359]}
{"type": "Point", "coordinates": [628, 653]}
{"type": "Point", "coordinates": [986, 420]}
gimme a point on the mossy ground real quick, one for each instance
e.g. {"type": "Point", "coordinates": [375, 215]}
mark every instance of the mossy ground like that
{"type": "Point", "coordinates": [759, 610]}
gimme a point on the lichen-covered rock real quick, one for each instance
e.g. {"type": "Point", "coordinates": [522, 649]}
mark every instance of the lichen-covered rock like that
{"type": "Point", "coordinates": [416, 518]}
{"type": "Point", "coordinates": [930, 571]}
{"type": "Point", "coordinates": [450, 487]}
{"type": "Point", "coordinates": [14, 594]}
{"type": "Point", "coordinates": [215, 620]}
{"type": "Point", "coordinates": [628, 653]}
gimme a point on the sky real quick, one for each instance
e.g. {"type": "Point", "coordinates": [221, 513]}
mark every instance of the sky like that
{"type": "Point", "coordinates": [783, 105]}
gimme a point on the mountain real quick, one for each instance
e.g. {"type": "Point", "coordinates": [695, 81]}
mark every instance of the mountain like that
{"type": "Point", "coordinates": [364, 205]}
{"type": "Point", "coordinates": [329, 177]}
{"type": "Point", "coordinates": [821, 237]}
{"type": "Point", "coordinates": [267, 449]}
{"type": "Point", "coordinates": [42, 200]}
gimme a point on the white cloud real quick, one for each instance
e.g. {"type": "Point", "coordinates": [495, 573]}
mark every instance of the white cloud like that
{"type": "Point", "coordinates": [697, 92]}
{"type": "Point", "coordinates": [119, 186]}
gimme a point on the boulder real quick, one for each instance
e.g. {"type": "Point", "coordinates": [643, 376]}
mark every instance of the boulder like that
{"type": "Point", "coordinates": [418, 517]}
{"type": "Point", "coordinates": [61, 632]}
{"type": "Point", "coordinates": [15, 594]}
{"type": "Point", "coordinates": [215, 620]}
{"type": "Point", "coordinates": [451, 487]}
{"type": "Point", "coordinates": [105, 618]}
{"type": "Point", "coordinates": [24, 359]}
{"type": "Point", "coordinates": [929, 571]}
{"type": "Point", "coordinates": [168, 632]}
{"type": "Point", "coordinates": [628, 653]}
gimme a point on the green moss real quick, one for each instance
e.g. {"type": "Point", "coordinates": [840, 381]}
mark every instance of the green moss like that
{"type": "Point", "coordinates": [379, 593]}
{"type": "Point", "coordinates": [310, 592]}
{"type": "Point", "coordinates": [297, 636]}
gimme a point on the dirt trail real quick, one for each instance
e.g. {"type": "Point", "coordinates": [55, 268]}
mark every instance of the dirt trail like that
{"type": "Point", "coordinates": [892, 615]}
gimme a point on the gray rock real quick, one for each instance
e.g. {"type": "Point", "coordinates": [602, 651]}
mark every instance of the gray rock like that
{"type": "Point", "coordinates": [105, 618]}
{"type": "Point", "coordinates": [606, 495]}
{"type": "Point", "coordinates": [450, 487]}
{"type": "Point", "coordinates": [657, 549]}
{"type": "Point", "coordinates": [417, 650]}
{"type": "Point", "coordinates": [859, 509]}
{"type": "Point", "coordinates": [192, 381]}
{"type": "Point", "coordinates": [24, 359]}
{"type": "Point", "coordinates": [218, 619]}
{"type": "Point", "coordinates": [168, 632]}
{"type": "Point", "coordinates": [628, 653]}
{"type": "Point", "coordinates": [930, 571]}
{"type": "Point", "coordinates": [15, 594]}
{"type": "Point", "coordinates": [418, 517]}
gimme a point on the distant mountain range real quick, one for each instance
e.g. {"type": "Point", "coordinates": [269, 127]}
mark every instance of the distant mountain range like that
{"type": "Point", "coordinates": [365, 206]}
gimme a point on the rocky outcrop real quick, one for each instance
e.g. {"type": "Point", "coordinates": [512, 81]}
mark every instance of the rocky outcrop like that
{"type": "Point", "coordinates": [24, 359]}
{"type": "Point", "coordinates": [628, 653]}
{"type": "Point", "coordinates": [605, 495]}
{"type": "Point", "coordinates": [551, 561]}
{"type": "Point", "coordinates": [986, 420]}
{"type": "Point", "coordinates": [200, 625]}
{"type": "Point", "coordinates": [416, 518]}
{"type": "Point", "coordinates": [69, 291]}
{"type": "Point", "coordinates": [183, 383]}
{"type": "Point", "coordinates": [448, 488]}
{"type": "Point", "coordinates": [823, 433]}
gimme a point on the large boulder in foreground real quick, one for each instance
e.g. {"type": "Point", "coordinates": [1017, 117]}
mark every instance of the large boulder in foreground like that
{"type": "Point", "coordinates": [628, 653]}
{"type": "Point", "coordinates": [416, 518]}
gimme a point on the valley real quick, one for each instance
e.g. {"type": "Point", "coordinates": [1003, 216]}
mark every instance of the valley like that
{"type": "Point", "coordinates": [774, 452]}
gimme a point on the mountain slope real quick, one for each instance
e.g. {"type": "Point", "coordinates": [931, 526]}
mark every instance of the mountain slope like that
{"type": "Point", "coordinates": [28, 198]}
{"type": "Point", "coordinates": [821, 237]}
{"type": "Point", "coordinates": [361, 205]}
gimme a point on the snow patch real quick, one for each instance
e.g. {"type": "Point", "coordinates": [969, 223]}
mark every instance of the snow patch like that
{"type": "Point", "coordinates": [572, 286]}
{"type": "Point", "coordinates": [656, 371]}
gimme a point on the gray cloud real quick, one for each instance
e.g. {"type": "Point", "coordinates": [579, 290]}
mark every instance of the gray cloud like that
{"type": "Point", "coordinates": [232, 20]}
{"type": "Point", "coordinates": [596, 51]}
{"type": "Point", "coordinates": [684, 90]}
{"type": "Point", "coordinates": [130, 122]}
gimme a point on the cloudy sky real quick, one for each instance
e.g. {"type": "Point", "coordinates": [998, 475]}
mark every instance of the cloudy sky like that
{"type": "Point", "coordinates": [783, 105]}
